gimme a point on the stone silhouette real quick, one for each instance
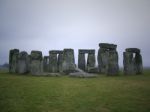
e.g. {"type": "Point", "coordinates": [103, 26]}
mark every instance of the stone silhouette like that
{"type": "Point", "coordinates": [132, 61]}
{"type": "Point", "coordinates": [46, 64]}
{"type": "Point", "coordinates": [36, 66]}
{"type": "Point", "coordinates": [13, 60]}
{"type": "Point", "coordinates": [108, 59]}
{"type": "Point", "coordinates": [90, 65]}
{"type": "Point", "coordinates": [23, 62]}
{"type": "Point", "coordinates": [68, 64]}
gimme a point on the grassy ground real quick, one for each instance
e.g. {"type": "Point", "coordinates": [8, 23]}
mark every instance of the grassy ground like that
{"type": "Point", "coordinates": [20, 93]}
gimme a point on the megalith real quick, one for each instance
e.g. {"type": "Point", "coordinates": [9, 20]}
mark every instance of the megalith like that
{"type": "Point", "coordinates": [91, 61]}
{"type": "Point", "coordinates": [23, 62]}
{"type": "Point", "coordinates": [36, 66]}
{"type": "Point", "coordinates": [13, 60]}
{"type": "Point", "coordinates": [46, 64]}
{"type": "Point", "coordinates": [108, 59]}
{"type": "Point", "coordinates": [68, 64]}
{"type": "Point", "coordinates": [81, 60]}
{"type": "Point", "coordinates": [132, 61]}
{"type": "Point", "coordinates": [53, 68]}
{"type": "Point", "coordinates": [60, 61]}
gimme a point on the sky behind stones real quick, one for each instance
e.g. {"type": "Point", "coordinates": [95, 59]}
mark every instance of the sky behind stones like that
{"type": "Point", "coordinates": [79, 24]}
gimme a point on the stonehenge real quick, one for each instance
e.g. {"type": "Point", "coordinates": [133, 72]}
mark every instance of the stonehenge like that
{"type": "Point", "coordinates": [61, 62]}
{"type": "Point", "coordinates": [132, 61]}
{"type": "Point", "coordinates": [13, 60]}
{"type": "Point", "coordinates": [90, 65]}
{"type": "Point", "coordinates": [108, 59]}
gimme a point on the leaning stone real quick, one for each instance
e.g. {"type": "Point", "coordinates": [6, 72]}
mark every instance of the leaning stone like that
{"type": "Point", "coordinates": [13, 60]}
{"type": "Point", "coordinates": [23, 62]}
{"type": "Point", "coordinates": [36, 63]}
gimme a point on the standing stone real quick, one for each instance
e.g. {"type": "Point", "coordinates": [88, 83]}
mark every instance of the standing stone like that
{"type": "Point", "coordinates": [53, 68]}
{"type": "Point", "coordinates": [60, 61]}
{"type": "Point", "coordinates": [46, 64]}
{"type": "Point", "coordinates": [68, 61]}
{"type": "Point", "coordinates": [128, 63]}
{"type": "Point", "coordinates": [23, 62]}
{"type": "Point", "coordinates": [103, 55]}
{"type": "Point", "coordinates": [91, 61]}
{"type": "Point", "coordinates": [132, 61]}
{"type": "Point", "coordinates": [113, 67]}
{"type": "Point", "coordinates": [108, 59]}
{"type": "Point", "coordinates": [81, 61]}
{"type": "Point", "coordinates": [36, 63]}
{"type": "Point", "coordinates": [13, 60]}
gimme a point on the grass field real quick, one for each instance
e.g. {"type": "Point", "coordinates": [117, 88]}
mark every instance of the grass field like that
{"type": "Point", "coordinates": [26, 93]}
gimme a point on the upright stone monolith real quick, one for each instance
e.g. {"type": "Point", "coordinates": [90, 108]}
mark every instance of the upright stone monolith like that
{"type": "Point", "coordinates": [132, 61]}
{"type": "Point", "coordinates": [60, 61]}
{"type": "Point", "coordinates": [108, 59]}
{"type": "Point", "coordinates": [36, 63]}
{"type": "Point", "coordinates": [81, 60]}
{"type": "Point", "coordinates": [46, 64]}
{"type": "Point", "coordinates": [23, 62]}
{"type": "Point", "coordinates": [91, 61]}
{"type": "Point", "coordinates": [68, 61]}
{"type": "Point", "coordinates": [13, 60]}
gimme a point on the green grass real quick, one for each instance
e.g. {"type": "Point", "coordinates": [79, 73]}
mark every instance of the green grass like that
{"type": "Point", "coordinates": [20, 93]}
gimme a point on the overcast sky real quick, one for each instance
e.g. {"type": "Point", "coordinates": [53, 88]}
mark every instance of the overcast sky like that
{"type": "Point", "coordinates": [57, 24]}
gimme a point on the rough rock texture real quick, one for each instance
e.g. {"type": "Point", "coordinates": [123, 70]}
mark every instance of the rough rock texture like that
{"type": "Point", "coordinates": [81, 61]}
{"type": "Point", "coordinates": [60, 62]}
{"type": "Point", "coordinates": [132, 61]}
{"type": "Point", "coordinates": [53, 62]}
{"type": "Point", "coordinates": [13, 60]}
{"type": "Point", "coordinates": [23, 62]}
{"type": "Point", "coordinates": [113, 67]}
{"type": "Point", "coordinates": [102, 58]}
{"type": "Point", "coordinates": [90, 62]}
{"type": "Point", "coordinates": [108, 59]}
{"type": "Point", "coordinates": [128, 63]}
{"type": "Point", "coordinates": [36, 67]}
{"type": "Point", "coordinates": [68, 65]}
{"type": "Point", "coordinates": [46, 64]}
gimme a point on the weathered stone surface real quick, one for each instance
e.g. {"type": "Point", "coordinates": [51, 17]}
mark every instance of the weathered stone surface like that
{"type": "Point", "coordinates": [128, 63]}
{"type": "Point", "coordinates": [132, 61]}
{"type": "Point", "coordinates": [68, 61]}
{"type": "Point", "coordinates": [90, 62]}
{"type": "Point", "coordinates": [83, 51]}
{"type": "Point", "coordinates": [53, 62]}
{"type": "Point", "coordinates": [60, 61]}
{"type": "Point", "coordinates": [138, 63]}
{"type": "Point", "coordinates": [36, 63]}
{"type": "Point", "coordinates": [108, 59]}
{"type": "Point", "coordinates": [81, 61]}
{"type": "Point", "coordinates": [23, 62]}
{"type": "Point", "coordinates": [46, 64]}
{"type": "Point", "coordinates": [13, 60]}
{"type": "Point", "coordinates": [103, 56]}
{"type": "Point", "coordinates": [107, 46]}
{"type": "Point", "coordinates": [113, 67]}
{"type": "Point", "coordinates": [133, 50]}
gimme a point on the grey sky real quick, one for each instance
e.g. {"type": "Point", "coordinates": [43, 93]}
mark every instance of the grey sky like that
{"type": "Point", "coordinates": [56, 24]}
